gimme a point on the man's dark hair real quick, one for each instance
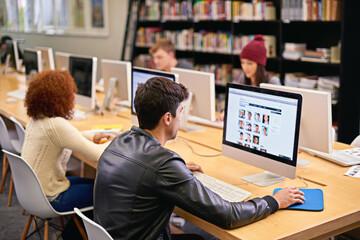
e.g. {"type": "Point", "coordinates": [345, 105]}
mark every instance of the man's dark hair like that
{"type": "Point", "coordinates": [156, 97]}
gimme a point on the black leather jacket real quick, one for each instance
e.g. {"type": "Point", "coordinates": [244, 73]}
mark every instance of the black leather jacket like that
{"type": "Point", "coordinates": [139, 182]}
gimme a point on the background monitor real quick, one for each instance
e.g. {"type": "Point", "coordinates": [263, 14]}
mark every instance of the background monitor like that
{"type": "Point", "coordinates": [32, 62]}
{"type": "Point", "coordinates": [141, 75]}
{"type": "Point", "coordinates": [261, 128]}
{"type": "Point", "coordinates": [316, 117]}
{"type": "Point", "coordinates": [202, 86]}
{"type": "Point", "coordinates": [120, 73]}
{"type": "Point", "coordinates": [12, 50]}
{"type": "Point", "coordinates": [62, 60]}
{"type": "Point", "coordinates": [83, 70]}
{"type": "Point", "coordinates": [47, 58]}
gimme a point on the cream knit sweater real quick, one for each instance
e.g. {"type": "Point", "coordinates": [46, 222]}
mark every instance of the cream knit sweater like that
{"type": "Point", "coordinates": [43, 149]}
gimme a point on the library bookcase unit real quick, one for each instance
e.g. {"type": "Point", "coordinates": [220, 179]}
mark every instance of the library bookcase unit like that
{"type": "Point", "coordinates": [316, 34]}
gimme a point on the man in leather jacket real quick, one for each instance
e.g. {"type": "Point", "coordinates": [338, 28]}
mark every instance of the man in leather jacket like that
{"type": "Point", "coordinates": [139, 182]}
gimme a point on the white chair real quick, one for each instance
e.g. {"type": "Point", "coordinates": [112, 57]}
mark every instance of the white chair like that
{"type": "Point", "coordinates": [20, 130]}
{"type": "Point", "coordinates": [93, 230]}
{"type": "Point", "coordinates": [356, 142]}
{"type": "Point", "coordinates": [9, 141]}
{"type": "Point", "coordinates": [32, 198]}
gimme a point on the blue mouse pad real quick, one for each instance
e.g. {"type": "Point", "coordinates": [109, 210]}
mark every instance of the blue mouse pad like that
{"type": "Point", "coordinates": [314, 200]}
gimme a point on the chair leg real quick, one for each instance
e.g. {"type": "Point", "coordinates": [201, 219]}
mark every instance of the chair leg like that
{"type": "Point", "coordinates": [61, 221]}
{"type": "Point", "coordinates": [5, 170]}
{"type": "Point", "coordinates": [46, 230]}
{"type": "Point", "coordinates": [81, 229]}
{"type": "Point", "coordinates": [11, 187]}
{"type": "Point", "coordinates": [23, 212]}
{"type": "Point", "coordinates": [35, 223]}
{"type": "Point", "coordinates": [27, 226]}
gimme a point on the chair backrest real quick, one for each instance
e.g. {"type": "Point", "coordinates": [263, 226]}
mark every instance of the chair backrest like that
{"type": "Point", "coordinates": [356, 142]}
{"type": "Point", "coordinates": [93, 230]}
{"type": "Point", "coordinates": [28, 188]}
{"type": "Point", "coordinates": [20, 130]}
{"type": "Point", "coordinates": [5, 140]}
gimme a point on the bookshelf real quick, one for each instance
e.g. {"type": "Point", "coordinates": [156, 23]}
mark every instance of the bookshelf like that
{"type": "Point", "coordinates": [284, 20]}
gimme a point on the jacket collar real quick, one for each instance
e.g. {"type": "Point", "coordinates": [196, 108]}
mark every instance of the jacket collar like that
{"type": "Point", "coordinates": [143, 132]}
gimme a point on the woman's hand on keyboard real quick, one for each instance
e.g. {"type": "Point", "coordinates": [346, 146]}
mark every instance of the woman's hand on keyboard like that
{"type": "Point", "coordinates": [289, 196]}
{"type": "Point", "coordinates": [194, 167]}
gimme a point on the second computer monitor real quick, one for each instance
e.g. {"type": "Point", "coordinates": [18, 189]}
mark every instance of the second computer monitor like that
{"type": "Point", "coordinates": [32, 62]}
{"type": "Point", "coordinates": [202, 86]}
{"type": "Point", "coordinates": [83, 70]}
{"type": "Point", "coordinates": [316, 117]}
{"type": "Point", "coordinates": [261, 128]}
{"type": "Point", "coordinates": [47, 58]}
{"type": "Point", "coordinates": [141, 75]}
{"type": "Point", "coordinates": [119, 71]}
{"type": "Point", "coordinates": [12, 50]}
{"type": "Point", "coordinates": [62, 60]}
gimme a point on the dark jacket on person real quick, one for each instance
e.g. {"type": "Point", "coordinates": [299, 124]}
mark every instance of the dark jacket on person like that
{"type": "Point", "coordinates": [139, 182]}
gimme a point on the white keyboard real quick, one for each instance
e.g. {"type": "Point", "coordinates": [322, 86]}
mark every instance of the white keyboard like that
{"type": "Point", "coordinates": [19, 93]}
{"type": "Point", "coordinates": [206, 122]}
{"type": "Point", "coordinates": [340, 157]}
{"type": "Point", "coordinates": [124, 103]}
{"type": "Point", "coordinates": [223, 189]}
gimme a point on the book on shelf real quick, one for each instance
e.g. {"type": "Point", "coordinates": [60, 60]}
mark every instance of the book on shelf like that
{"type": "Point", "coordinates": [311, 10]}
{"type": "Point", "coordinates": [293, 51]}
{"type": "Point", "coordinates": [315, 59]}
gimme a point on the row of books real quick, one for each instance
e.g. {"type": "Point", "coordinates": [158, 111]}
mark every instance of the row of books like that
{"type": "Point", "coordinates": [311, 10]}
{"type": "Point", "coordinates": [202, 41]}
{"type": "Point", "coordinates": [175, 10]}
{"type": "Point", "coordinates": [212, 10]}
{"type": "Point", "coordinates": [322, 83]}
{"type": "Point", "coordinates": [257, 10]}
{"type": "Point", "coordinates": [150, 11]}
{"type": "Point", "coordinates": [298, 51]}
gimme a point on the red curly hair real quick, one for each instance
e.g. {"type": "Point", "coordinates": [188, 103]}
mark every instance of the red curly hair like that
{"type": "Point", "coordinates": [51, 94]}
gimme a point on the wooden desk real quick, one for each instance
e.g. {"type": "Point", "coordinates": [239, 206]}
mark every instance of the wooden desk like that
{"type": "Point", "coordinates": [341, 193]}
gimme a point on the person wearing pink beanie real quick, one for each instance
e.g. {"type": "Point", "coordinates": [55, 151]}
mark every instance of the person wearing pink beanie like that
{"type": "Point", "coordinates": [253, 62]}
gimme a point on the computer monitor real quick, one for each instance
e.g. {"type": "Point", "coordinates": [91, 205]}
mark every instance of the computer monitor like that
{"type": "Point", "coordinates": [141, 75]}
{"type": "Point", "coordinates": [202, 86]}
{"type": "Point", "coordinates": [62, 60]}
{"type": "Point", "coordinates": [83, 70]}
{"type": "Point", "coordinates": [12, 51]}
{"type": "Point", "coordinates": [32, 62]}
{"type": "Point", "coordinates": [117, 80]}
{"type": "Point", "coordinates": [316, 119]}
{"type": "Point", "coordinates": [261, 128]}
{"type": "Point", "coordinates": [47, 58]}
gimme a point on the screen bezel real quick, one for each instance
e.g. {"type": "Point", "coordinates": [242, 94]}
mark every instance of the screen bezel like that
{"type": "Point", "coordinates": [298, 97]}
{"type": "Point", "coordinates": [149, 71]}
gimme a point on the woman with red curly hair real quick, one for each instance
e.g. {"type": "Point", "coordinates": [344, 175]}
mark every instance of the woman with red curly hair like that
{"type": "Point", "coordinates": [50, 139]}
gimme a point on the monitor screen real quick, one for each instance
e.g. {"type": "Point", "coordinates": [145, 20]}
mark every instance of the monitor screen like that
{"type": "Point", "coordinates": [316, 117]}
{"type": "Point", "coordinates": [261, 128]}
{"type": "Point", "coordinates": [32, 61]}
{"type": "Point", "coordinates": [141, 75]}
{"type": "Point", "coordinates": [83, 70]}
{"type": "Point", "coordinates": [203, 91]}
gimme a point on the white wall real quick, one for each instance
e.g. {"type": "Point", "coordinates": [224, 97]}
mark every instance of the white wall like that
{"type": "Point", "coordinates": [109, 47]}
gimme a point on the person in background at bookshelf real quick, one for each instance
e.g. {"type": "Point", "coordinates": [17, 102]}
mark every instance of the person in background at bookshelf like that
{"type": "Point", "coordinates": [253, 62]}
{"type": "Point", "coordinates": [163, 53]}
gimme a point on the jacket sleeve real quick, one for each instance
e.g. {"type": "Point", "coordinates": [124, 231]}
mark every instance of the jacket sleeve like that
{"type": "Point", "coordinates": [176, 183]}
